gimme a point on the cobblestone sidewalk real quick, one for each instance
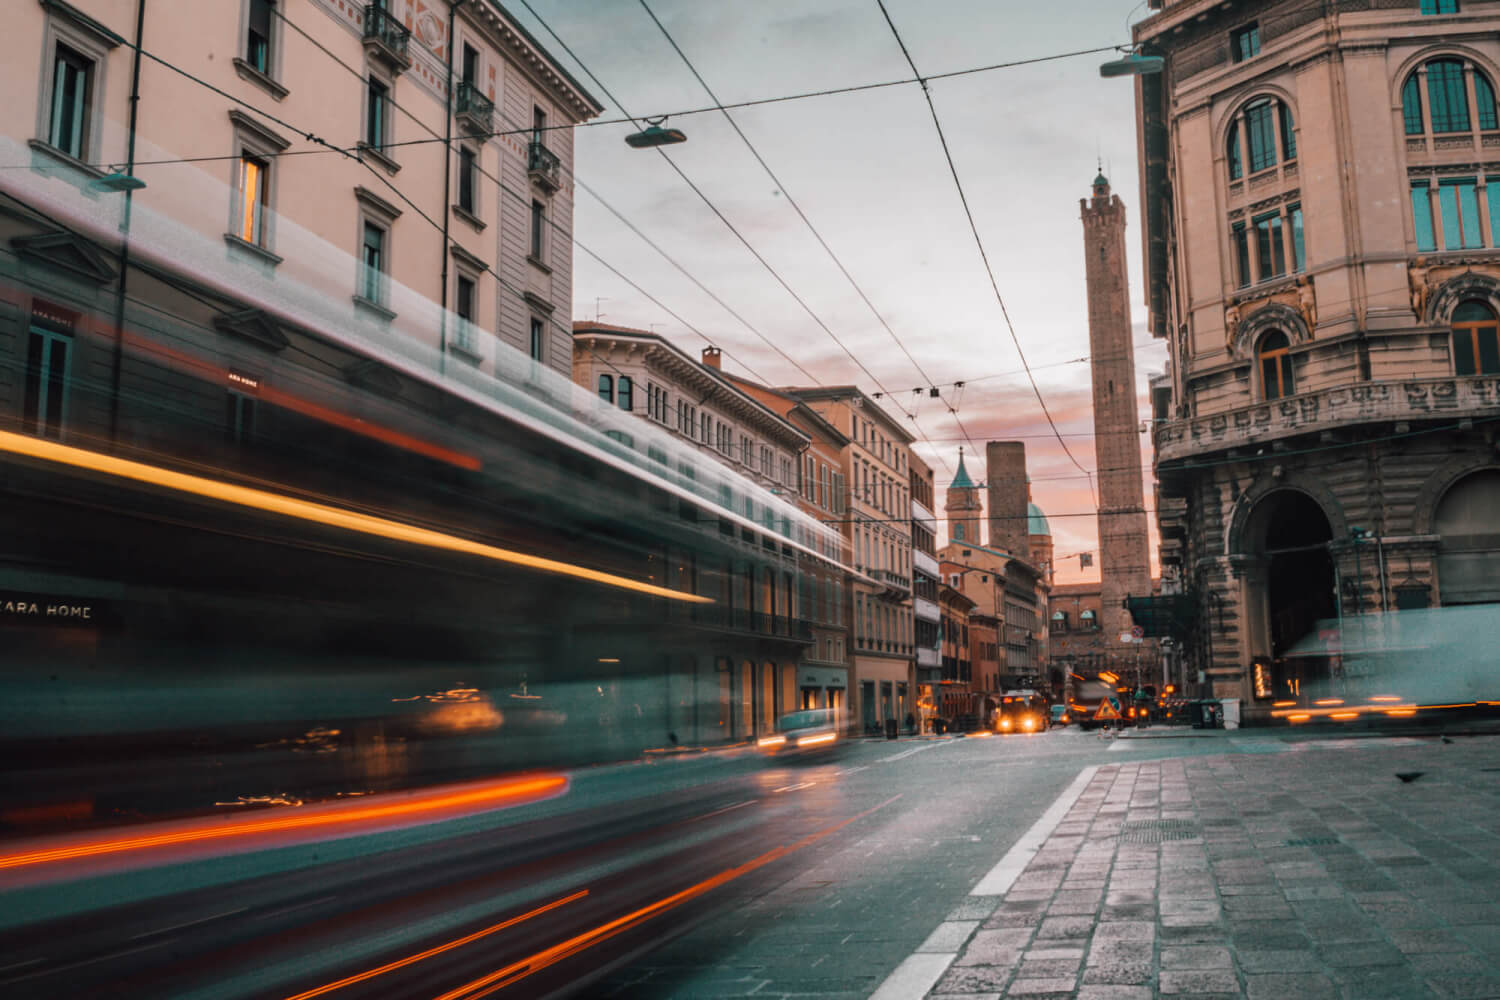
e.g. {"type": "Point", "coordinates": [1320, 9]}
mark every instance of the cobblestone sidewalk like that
{"type": "Point", "coordinates": [1309, 872]}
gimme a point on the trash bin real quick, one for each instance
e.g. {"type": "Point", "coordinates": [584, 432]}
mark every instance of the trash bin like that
{"type": "Point", "coordinates": [890, 729]}
{"type": "Point", "coordinates": [1231, 712]}
{"type": "Point", "coordinates": [1205, 715]}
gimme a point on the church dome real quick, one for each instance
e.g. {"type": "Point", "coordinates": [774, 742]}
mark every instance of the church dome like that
{"type": "Point", "coordinates": [1036, 521]}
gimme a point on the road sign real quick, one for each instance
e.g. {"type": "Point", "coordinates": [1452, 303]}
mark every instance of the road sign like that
{"type": "Point", "coordinates": [1137, 632]}
{"type": "Point", "coordinates": [1106, 711]}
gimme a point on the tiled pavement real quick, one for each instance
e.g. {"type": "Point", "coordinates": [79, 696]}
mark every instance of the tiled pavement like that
{"type": "Point", "coordinates": [1310, 871]}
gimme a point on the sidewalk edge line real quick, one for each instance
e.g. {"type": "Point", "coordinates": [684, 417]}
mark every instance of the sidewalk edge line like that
{"type": "Point", "coordinates": [1000, 878]}
{"type": "Point", "coordinates": [915, 976]}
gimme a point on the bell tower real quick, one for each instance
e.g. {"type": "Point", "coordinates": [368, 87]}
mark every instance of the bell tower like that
{"type": "Point", "coordinates": [1124, 552]}
{"type": "Point", "coordinates": [965, 513]}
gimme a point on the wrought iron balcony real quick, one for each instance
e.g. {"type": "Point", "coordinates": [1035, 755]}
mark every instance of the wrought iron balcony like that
{"type": "Point", "coordinates": [472, 106]}
{"type": "Point", "coordinates": [387, 37]}
{"type": "Point", "coordinates": [543, 166]}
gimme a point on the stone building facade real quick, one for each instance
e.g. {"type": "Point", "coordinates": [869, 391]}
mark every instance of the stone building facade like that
{"type": "Point", "coordinates": [1322, 246]}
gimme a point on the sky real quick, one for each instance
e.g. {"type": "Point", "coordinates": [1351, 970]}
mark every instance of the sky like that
{"type": "Point", "coordinates": [868, 170]}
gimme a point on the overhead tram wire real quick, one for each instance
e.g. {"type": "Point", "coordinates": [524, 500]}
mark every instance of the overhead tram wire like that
{"type": "Point", "coordinates": [787, 194]}
{"type": "Point", "coordinates": [722, 218]}
{"type": "Point", "coordinates": [974, 228]}
{"type": "Point", "coordinates": [522, 198]}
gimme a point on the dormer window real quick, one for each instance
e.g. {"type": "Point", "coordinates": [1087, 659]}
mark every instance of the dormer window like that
{"type": "Point", "coordinates": [1244, 43]}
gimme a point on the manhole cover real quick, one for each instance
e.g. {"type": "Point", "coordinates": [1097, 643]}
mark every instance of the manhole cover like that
{"type": "Point", "coordinates": [1312, 841]}
{"type": "Point", "coordinates": [1154, 831]}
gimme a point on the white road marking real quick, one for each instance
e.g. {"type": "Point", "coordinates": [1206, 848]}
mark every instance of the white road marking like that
{"type": "Point", "coordinates": [908, 753]}
{"type": "Point", "coordinates": [914, 977]}
{"type": "Point", "coordinates": [793, 788]}
{"type": "Point", "coordinates": [853, 770]}
{"type": "Point", "coordinates": [718, 812]}
{"type": "Point", "coordinates": [1009, 868]}
{"type": "Point", "coordinates": [188, 923]}
{"type": "Point", "coordinates": [21, 965]}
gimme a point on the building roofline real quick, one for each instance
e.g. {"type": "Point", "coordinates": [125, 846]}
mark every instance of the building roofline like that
{"type": "Point", "coordinates": [585, 104]}
{"type": "Point", "coordinates": [798, 406]}
{"type": "Point", "coordinates": [839, 392]}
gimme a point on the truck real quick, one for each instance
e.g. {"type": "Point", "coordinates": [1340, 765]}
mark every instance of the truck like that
{"type": "Point", "coordinates": [1088, 695]}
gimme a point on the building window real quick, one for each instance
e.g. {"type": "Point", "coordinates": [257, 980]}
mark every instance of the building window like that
{"type": "Point", "coordinates": [1241, 237]}
{"type": "Point", "coordinates": [1244, 43]}
{"type": "Point", "coordinates": [464, 306]}
{"type": "Point", "coordinates": [1299, 244]}
{"type": "Point", "coordinates": [537, 349]}
{"type": "Point", "coordinates": [258, 36]}
{"type": "Point", "coordinates": [372, 285]}
{"type": "Point", "coordinates": [1458, 200]}
{"type": "Point", "coordinates": [1484, 100]}
{"type": "Point", "coordinates": [1270, 246]}
{"type": "Point", "coordinates": [625, 398]}
{"type": "Point", "coordinates": [1236, 165]}
{"type": "Point", "coordinates": [538, 223]}
{"type": "Point", "coordinates": [467, 169]}
{"type": "Point", "coordinates": [705, 428]}
{"type": "Point", "coordinates": [1440, 6]}
{"type": "Point", "coordinates": [1421, 215]}
{"type": "Point", "coordinates": [1447, 97]}
{"type": "Point", "coordinates": [607, 388]}
{"type": "Point", "coordinates": [254, 199]}
{"type": "Point", "coordinates": [72, 101]}
{"type": "Point", "coordinates": [1411, 106]}
{"type": "Point", "coordinates": [1276, 365]}
{"type": "Point", "coordinates": [240, 421]}
{"type": "Point", "coordinates": [1288, 133]}
{"type": "Point", "coordinates": [48, 358]}
{"type": "Point", "coordinates": [377, 110]}
{"type": "Point", "coordinates": [1476, 340]}
{"type": "Point", "coordinates": [1260, 128]}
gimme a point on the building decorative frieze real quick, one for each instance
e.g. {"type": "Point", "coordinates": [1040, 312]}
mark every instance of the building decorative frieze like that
{"type": "Point", "coordinates": [1437, 289]}
{"type": "Point", "coordinates": [1289, 305]}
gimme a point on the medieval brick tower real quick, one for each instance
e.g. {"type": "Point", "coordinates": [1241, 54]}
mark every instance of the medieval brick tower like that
{"type": "Point", "coordinates": [1124, 553]}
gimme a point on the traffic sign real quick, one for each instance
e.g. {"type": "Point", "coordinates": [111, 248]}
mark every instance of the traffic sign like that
{"type": "Point", "coordinates": [1106, 711]}
{"type": "Point", "coordinates": [1137, 632]}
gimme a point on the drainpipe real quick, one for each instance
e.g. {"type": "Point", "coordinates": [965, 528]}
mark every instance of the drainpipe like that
{"type": "Point", "coordinates": [119, 352]}
{"type": "Point", "coordinates": [447, 193]}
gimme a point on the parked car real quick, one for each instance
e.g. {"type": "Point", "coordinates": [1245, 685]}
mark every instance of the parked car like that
{"type": "Point", "coordinates": [1060, 715]}
{"type": "Point", "coordinates": [810, 731]}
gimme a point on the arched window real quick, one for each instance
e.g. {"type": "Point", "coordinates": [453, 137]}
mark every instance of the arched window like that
{"type": "Point", "coordinates": [1288, 133]}
{"type": "Point", "coordinates": [1276, 365]}
{"type": "Point", "coordinates": [1236, 165]}
{"type": "Point", "coordinates": [1484, 99]}
{"type": "Point", "coordinates": [626, 397]}
{"type": "Point", "coordinates": [958, 531]}
{"type": "Point", "coordinates": [1469, 540]}
{"type": "Point", "coordinates": [1411, 106]}
{"type": "Point", "coordinates": [1447, 97]}
{"type": "Point", "coordinates": [607, 388]}
{"type": "Point", "coordinates": [1260, 130]}
{"type": "Point", "coordinates": [1476, 340]}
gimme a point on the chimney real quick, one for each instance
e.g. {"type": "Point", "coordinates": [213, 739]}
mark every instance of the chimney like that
{"type": "Point", "coordinates": [1005, 475]}
{"type": "Point", "coordinates": [711, 358]}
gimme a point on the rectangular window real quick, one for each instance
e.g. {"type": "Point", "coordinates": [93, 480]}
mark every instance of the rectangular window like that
{"type": "Point", "coordinates": [1288, 132]}
{"type": "Point", "coordinates": [1459, 203]}
{"type": "Point", "coordinates": [1241, 240]}
{"type": "Point", "coordinates": [1440, 6]}
{"type": "Point", "coordinates": [258, 35]}
{"type": "Point", "coordinates": [1494, 200]}
{"type": "Point", "coordinates": [1270, 247]}
{"type": "Point", "coordinates": [47, 367]}
{"type": "Point", "coordinates": [539, 342]}
{"type": "Point", "coordinates": [377, 103]}
{"type": "Point", "coordinates": [1244, 43]}
{"type": "Point", "coordinates": [253, 195]}
{"type": "Point", "coordinates": [1448, 96]}
{"type": "Point", "coordinates": [1299, 245]}
{"type": "Point", "coordinates": [1421, 215]}
{"type": "Point", "coordinates": [466, 172]}
{"type": "Point", "coordinates": [538, 220]}
{"type": "Point", "coordinates": [469, 65]}
{"type": "Point", "coordinates": [72, 93]}
{"type": "Point", "coordinates": [463, 306]}
{"type": "Point", "coordinates": [372, 264]}
{"type": "Point", "coordinates": [240, 421]}
{"type": "Point", "coordinates": [1260, 125]}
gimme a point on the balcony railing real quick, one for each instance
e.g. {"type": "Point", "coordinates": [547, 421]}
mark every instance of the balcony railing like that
{"type": "Point", "coordinates": [892, 579]}
{"type": "Point", "coordinates": [472, 106]}
{"type": "Point", "coordinates": [1327, 409]}
{"type": "Point", "coordinates": [543, 166]}
{"type": "Point", "coordinates": [387, 37]}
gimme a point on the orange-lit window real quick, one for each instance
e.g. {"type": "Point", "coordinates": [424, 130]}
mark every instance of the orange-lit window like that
{"type": "Point", "coordinates": [1276, 365]}
{"type": "Point", "coordinates": [1476, 340]}
{"type": "Point", "coordinates": [254, 174]}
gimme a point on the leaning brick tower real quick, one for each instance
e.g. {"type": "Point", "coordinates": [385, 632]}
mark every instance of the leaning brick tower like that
{"type": "Point", "coordinates": [1124, 553]}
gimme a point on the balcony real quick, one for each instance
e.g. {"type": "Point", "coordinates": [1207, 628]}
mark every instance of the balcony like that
{"type": "Point", "coordinates": [929, 657]}
{"type": "Point", "coordinates": [926, 610]}
{"type": "Point", "coordinates": [474, 109]}
{"type": "Point", "coordinates": [926, 563]}
{"type": "Point", "coordinates": [1396, 402]}
{"type": "Point", "coordinates": [386, 38]}
{"type": "Point", "coordinates": [543, 166]}
{"type": "Point", "coordinates": [894, 582]}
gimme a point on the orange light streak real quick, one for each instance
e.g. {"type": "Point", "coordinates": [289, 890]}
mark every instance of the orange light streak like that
{"type": "Point", "coordinates": [1343, 715]}
{"type": "Point", "coordinates": [438, 950]}
{"type": "Point", "coordinates": [1299, 717]}
{"type": "Point", "coordinates": [306, 510]}
{"type": "Point", "coordinates": [1385, 697]}
{"type": "Point", "coordinates": [515, 791]}
{"type": "Point", "coordinates": [812, 741]}
{"type": "Point", "coordinates": [1329, 701]}
{"type": "Point", "coordinates": [1401, 711]}
{"type": "Point", "coordinates": [499, 979]}
{"type": "Point", "coordinates": [1283, 704]}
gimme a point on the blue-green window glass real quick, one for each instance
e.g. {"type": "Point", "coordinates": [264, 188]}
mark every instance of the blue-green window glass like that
{"type": "Point", "coordinates": [1241, 255]}
{"type": "Point", "coordinates": [1260, 127]}
{"type": "Point", "coordinates": [1484, 100]}
{"type": "Point", "coordinates": [1440, 6]}
{"type": "Point", "coordinates": [48, 354]}
{"type": "Point", "coordinates": [1459, 203]}
{"type": "Point", "coordinates": [1411, 105]}
{"type": "Point", "coordinates": [1421, 217]}
{"type": "Point", "coordinates": [72, 86]}
{"type": "Point", "coordinates": [626, 395]}
{"type": "Point", "coordinates": [1236, 165]}
{"type": "Point", "coordinates": [1288, 134]}
{"type": "Point", "coordinates": [1447, 97]}
{"type": "Point", "coordinates": [1494, 199]}
{"type": "Point", "coordinates": [607, 388]}
{"type": "Point", "coordinates": [1299, 248]}
{"type": "Point", "coordinates": [1245, 42]}
{"type": "Point", "coordinates": [1270, 246]}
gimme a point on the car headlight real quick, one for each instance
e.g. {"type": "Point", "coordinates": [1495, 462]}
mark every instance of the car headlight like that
{"type": "Point", "coordinates": [770, 741]}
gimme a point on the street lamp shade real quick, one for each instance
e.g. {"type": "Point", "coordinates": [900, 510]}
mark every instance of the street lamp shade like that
{"type": "Point", "coordinates": [1133, 64]}
{"type": "Point", "coordinates": [655, 135]}
{"type": "Point", "coordinates": [118, 182]}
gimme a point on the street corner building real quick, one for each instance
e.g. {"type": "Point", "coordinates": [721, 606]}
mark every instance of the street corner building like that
{"type": "Point", "coordinates": [1322, 252]}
